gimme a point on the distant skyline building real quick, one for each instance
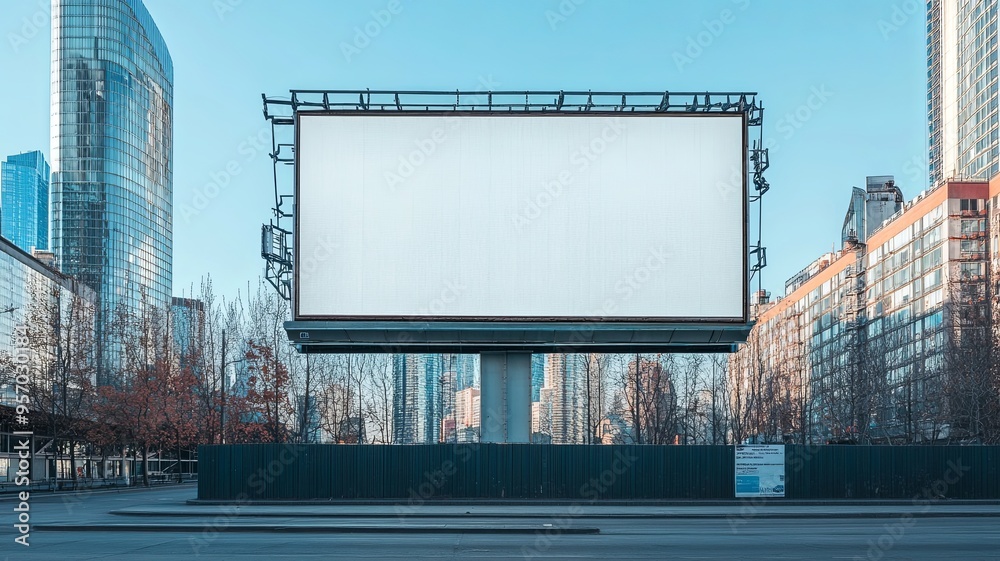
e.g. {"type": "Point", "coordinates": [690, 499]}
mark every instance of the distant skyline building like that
{"type": "Point", "coordinates": [870, 207]}
{"type": "Point", "coordinates": [962, 96]}
{"type": "Point", "coordinates": [445, 409]}
{"type": "Point", "coordinates": [467, 415]}
{"type": "Point", "coordinates": [418, 403]}
{"type": "Point", "coordinates": [466, 371]}
{"type": "Point", "coordinates": [24, 200]}
{"type": "Point", "coordinates": [425, 393]}
{"type": "Point", "coordinates": [112, 155]}
{"type": "Point", "coordinates": [187, 325]}
{"type": "Point", "coordinates": [562, 403]}
{"type": "Point", "coordinates": [537, 375]}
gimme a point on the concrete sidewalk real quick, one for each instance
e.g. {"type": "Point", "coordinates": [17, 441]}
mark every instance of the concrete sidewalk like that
{"type": "Point", "coordinates": [567, 510]}
{"type": "Point", "coordinates": [12, 494]}
{"type": "Point", "coordinates": [324, 528]}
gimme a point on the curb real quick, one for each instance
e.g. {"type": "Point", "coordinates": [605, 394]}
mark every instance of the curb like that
{"type": "Point", "coordinates": [312, 529]}
{"type": "Point", "coordinates": [763, 503]}
{"type": "Point", "coordinates": [12, 495]}
{"type": "Point", "coordinates": [610, 516]}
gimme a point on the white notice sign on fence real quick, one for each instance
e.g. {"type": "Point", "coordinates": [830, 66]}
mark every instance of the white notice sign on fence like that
{"type": "Point", "coordinates": [760, 471]}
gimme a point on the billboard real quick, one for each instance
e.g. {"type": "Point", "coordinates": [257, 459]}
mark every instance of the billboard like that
{"type": "Point", "coordinates": [606, 217]}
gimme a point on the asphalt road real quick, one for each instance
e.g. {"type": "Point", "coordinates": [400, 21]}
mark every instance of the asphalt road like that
{"type": "Point", "coordinates": [662, 535]}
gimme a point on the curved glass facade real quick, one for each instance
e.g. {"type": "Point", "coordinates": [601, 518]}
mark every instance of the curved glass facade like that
{"type": "Point", "coordinates": [112, 152]}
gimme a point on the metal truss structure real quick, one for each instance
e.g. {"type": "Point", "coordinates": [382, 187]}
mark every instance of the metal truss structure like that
{"type": "Point", "coordinates": [276, 236]}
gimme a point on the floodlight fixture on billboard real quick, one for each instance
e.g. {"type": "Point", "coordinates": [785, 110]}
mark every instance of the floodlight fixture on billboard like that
{"type": "Point", "coordinates": [517, 229]}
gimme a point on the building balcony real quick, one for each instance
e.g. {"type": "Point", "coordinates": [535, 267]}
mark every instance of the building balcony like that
{"type": "Point", "coordinates": [972, 213]}
{"type": "Point", "coordinates": [978, 256]}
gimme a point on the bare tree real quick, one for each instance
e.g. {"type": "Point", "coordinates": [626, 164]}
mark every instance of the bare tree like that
{"type": "Point", "coordinates": [59, 329]}
{"type": "Point", "coordinates": [646, 389]}
{"type": "Point", "coordinates": [266, 313]}
{"type": "Point", "coordinates": [971, 384]}
{"type": "Point", "coordinates": [718, 387]}
{"type": "Point", "coordinates": [337, 395]}
{"type": "Point", "coordinates": [595, 367]}
{"type": "Point", "coordinates": [378, 399]}
{"type": "Point", "coordinates": [747, 378]}
{"type": "Point", "coordinates": [687, 370]}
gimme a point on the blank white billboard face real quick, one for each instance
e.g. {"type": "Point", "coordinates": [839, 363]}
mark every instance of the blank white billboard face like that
{"type": "Point", "coordinates": [492, 216]}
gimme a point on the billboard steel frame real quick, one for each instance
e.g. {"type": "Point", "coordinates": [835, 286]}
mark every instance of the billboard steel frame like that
{"type": "Point", "coordinates": [314, 336]}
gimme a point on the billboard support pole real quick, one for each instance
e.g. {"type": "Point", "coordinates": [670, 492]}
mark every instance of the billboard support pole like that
{"type": "Point", "coordinates": [505, 397]}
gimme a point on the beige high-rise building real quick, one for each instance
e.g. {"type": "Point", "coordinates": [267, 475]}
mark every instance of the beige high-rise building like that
{"type": "Point", "coordinates": [868, 346]}
{"type": "Point", "coordinates": [962, 111]}
{"type": "Point", "coordinates": [467, 409]}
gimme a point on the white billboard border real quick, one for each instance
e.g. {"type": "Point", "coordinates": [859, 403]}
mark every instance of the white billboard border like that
{"type": "Point", "coordinates": [541, 321]}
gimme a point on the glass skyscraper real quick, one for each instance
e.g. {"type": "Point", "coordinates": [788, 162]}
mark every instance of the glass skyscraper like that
{"type": "Point", "coordinates": [962, 95]}
{"type": "Point", "coordinates": [24, 200]}
{"type": "Point", "coordinates": [112, 153]}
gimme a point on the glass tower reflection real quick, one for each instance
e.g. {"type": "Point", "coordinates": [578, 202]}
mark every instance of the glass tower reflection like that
{"type": "Point", "coordinates": [24, 200]}
{"type": "Point", "coordinates": [112, 153]}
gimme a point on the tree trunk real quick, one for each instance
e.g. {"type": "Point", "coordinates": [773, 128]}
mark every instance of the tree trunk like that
{"type": "Point", "coordinates": [145, 464]}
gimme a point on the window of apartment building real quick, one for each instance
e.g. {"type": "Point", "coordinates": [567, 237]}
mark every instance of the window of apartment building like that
{"type": "Point", "coordinates": [932, 237]}
{"type": "Point", "coordinates": [969, 204]}
{"type": "Point", "coordinates": [931, 259]}
{"type": "Point", "coordinates": [895, 377]}
{"type": "Point", "coordinates": [935, 362]}
{"type": "Point", "coordinates": [874, 327]}
{"type": "Point", "coordinates": [901, 296]}
{"type": "Point", "coordinates": [874, 292]}
{"type": "Point", "coordinates": [873, 274]}
{"type": "Point", "coordinates": [900, 240]}
{"type": "Point", "coordinates": [926, 221]}
{"type": "Point", "coordinates": [901, 316]}
{"type": "Point", "coordinates": [971, 270]}
{"type": "Point", "coordinates": [973, 247]}
{"type": "Point", "coordinates": [937, 214]}
{"type": "Point", "coordinates": [933, 299]}
{"type": "Point", "coordinates": [973, 226]}
{"type": "Point", "coordinates": [900, 278]}
{"type": "Point", "coordinates": [932, 279]}
{"type": "Point", "coordinates": [934, 321]}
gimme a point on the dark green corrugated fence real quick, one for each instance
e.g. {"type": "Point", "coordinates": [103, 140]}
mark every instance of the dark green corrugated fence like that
{"type": "Point", "coordinates": [578, 472]}
{"type": "Point", "coordinates": [892, 472]}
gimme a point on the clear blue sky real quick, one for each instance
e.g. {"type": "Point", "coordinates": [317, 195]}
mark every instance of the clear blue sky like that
{"type": "Point", "coordinates": [868, 55]}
